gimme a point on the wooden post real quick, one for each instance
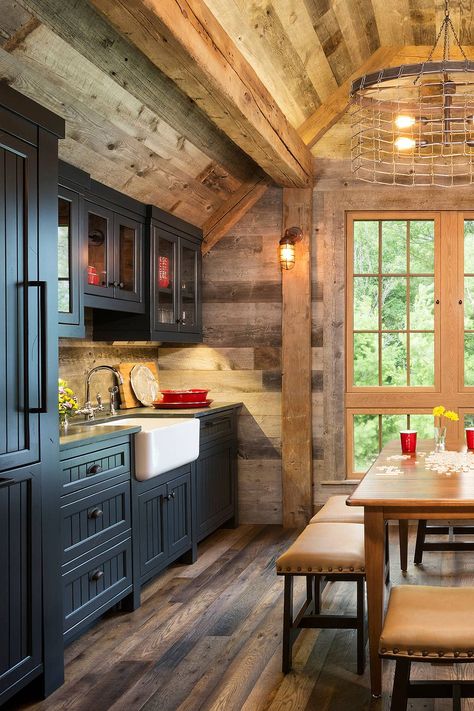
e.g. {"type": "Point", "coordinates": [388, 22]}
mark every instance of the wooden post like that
{"type": "Point", "coordinates": [296, 365]}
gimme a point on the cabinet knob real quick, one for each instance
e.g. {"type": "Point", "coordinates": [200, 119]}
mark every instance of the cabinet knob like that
{"type": "Point", "coordinates": [173, 494]}
{"type": "Point", "coordinates": [94, 469]}
{"type": "Point", "coordinates": [95, 513]}
{"type": "Point", "coordinates": [96, 575]}
{"type": "Point", "coordinates": [178, 320]}
{"type": "Point", "coordinates": [113, 283]}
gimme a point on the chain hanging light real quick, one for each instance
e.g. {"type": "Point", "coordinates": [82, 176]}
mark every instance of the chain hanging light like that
{"type": "Point", "coordinates": [414, 124]}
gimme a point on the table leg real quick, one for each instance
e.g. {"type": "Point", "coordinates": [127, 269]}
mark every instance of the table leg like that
{"type": "Point", "coordinates": [403, 541]}
{"type": "Point", "coordinates": [374, 569]}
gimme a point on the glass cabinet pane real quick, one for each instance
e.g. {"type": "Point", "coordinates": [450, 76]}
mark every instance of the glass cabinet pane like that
{"type": "Point", "coordinates": [64, 256]}
{"type": "Point", "coordinates": [97, 250]}
{"type": "Point", "coordinates": [165, 270]}
{"type": "Point", "coordinates": [188, 287]}
{"type": "Point", "coordinates": [127, 239]}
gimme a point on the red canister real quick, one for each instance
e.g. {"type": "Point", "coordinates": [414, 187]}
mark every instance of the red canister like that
{"type": "Point", "coordinates": [163, 272]}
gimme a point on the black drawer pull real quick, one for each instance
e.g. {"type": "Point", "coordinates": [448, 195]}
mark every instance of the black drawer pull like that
{"type": "Point", "coordinates": [95, 513]}
{"type": "Point", "coordinates": [96, 575]}
{"type": "Point", "coordinates": [94, 469]}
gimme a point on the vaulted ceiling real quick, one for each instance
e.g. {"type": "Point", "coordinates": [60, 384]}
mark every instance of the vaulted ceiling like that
{"type": "Point", "coordinates": [145, 114]}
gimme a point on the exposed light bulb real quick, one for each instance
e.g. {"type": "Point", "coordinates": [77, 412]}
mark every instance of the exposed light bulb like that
{"type": "Point", "coordinates": [287, 255]}
{"type": "Point", "coordinates": [403, 121]}
{"type": "Point", "coordinates": [404, 143]}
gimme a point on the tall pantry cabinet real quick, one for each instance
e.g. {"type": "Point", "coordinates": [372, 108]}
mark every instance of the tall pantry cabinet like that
{"type": "Point", "coordinates": [30, 554]}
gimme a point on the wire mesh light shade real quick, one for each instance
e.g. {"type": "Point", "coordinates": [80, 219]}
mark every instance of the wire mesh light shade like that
{"type": "Point", "coordinates": [414, 125]}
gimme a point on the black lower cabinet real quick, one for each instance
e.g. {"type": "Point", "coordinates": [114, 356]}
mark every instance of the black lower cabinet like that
{"type": "Point", "coordinates": [215, 487]}
{"type": "Point", "coordinates": [164, 520]}
{"type": "Point", "coordinates": [20, 563]}
{"type": "Point", "coordinates": [96, 515]}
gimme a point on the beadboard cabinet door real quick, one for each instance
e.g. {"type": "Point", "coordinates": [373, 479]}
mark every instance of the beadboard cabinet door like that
{"type": "Point", "coordinates": [22, 300]}
{"type": "Point", "coordinates": [20, 579]}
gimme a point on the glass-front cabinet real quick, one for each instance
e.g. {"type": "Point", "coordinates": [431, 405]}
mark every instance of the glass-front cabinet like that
{"type": "Point", "coordinates": [114, 260]}
{"type": "Point", "coordinates": [188, 286]}
{"type": "Point", "coordinates": [70, 311]}
{"type": "Point", "coordinates": [175, 283]}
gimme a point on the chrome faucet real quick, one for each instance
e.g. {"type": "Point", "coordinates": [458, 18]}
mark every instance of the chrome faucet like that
{"type": "Point", "coordinates": [89, 410]}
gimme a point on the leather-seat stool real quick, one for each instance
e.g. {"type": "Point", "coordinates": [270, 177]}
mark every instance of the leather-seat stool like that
{"type": "Point", "coordinates": [331, 551]}
{"type": "Point", "coordinates": [428, 624]}
{"type": "Point", "coordinates": [335, 510]}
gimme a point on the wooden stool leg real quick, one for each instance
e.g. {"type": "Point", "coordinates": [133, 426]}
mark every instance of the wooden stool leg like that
{"type": "Point", "coordinates": [456, 697]}
{"type": "Point", "coordinates": [387, 555]}
{"type": "Point", "coordinates": [360, 626]}
{"type": "Point", "coordinates": [403, 540]}
{"type": "Point", "coordinates": [317, 594]}
{"type": "Point", "coordinates": [420, 541]}
{"type": "Point", "coordinates": [400, 685]}
{"type": "Point", "coordinates": [287, 624]}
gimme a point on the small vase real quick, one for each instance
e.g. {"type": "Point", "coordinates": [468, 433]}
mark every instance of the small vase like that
{"type": "Point", "coordinates": [63, 423]}
{"type": "Point", "coordinates": [440, 439]}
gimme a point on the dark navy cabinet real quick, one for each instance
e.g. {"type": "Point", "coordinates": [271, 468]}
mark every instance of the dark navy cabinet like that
{"type": "Point", "coordinates": [20, 563]}
{"type": "Point", "coordinates": [96, 529]}
{"type": "Point", "coordinates": [30, 607]}
{"type": "Point", "coordinates": [172, 289]}
{"type": "Point", "coordinates": [216, 472]}
{"type": "Point", "coordinates": [164, 528]}
{"type": "Point", "coordinates": [72, 183]}
{"type": "Point", "coordinates": [113, 250]}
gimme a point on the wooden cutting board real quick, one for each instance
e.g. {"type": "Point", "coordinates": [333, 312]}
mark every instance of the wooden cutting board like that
{"type": "Point", "coordinates": [127, 396]}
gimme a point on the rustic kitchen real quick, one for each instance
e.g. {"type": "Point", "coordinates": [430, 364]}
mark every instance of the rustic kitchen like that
{"type": "Point", "coordinates": [235, 288]}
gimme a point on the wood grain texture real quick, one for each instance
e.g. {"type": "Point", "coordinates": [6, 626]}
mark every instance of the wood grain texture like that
{"type": "Point", "coordinates": [85, 30]}
{"type": "Point", "coordinates": [208, 636]}
{"type": "Point", "coordinates": [236, 206]}
{"type": "Point", "coordinates": [185, 41]}
{"type": "Point", "coordinates": [296, 364]}
{"type": "Point", "coordinates": [314, 128]}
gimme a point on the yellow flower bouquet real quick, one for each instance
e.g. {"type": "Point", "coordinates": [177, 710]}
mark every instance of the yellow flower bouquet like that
{"type": "Point", "coordinates": [67, 404]}
{"type": "Point", "coordinates": [439, 413]}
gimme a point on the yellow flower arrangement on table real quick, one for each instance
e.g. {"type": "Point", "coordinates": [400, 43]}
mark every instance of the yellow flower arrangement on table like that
{"type": "Point", "coordinates": [439, 413]}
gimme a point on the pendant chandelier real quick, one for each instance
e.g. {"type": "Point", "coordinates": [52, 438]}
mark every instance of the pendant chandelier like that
{"type": "Point", "coordinates": [414, 124]}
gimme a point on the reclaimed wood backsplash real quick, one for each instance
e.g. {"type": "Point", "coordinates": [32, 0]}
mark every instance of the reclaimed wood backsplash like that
{"type": "Point", "coordinates": [240, 359]}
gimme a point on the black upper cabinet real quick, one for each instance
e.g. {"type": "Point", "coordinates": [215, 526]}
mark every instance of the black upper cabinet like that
{"type": "Point", "coordinates": [30, 615]}
{"type": "Point", "coordinates": [172, 287]}
{"type": "Point", "coordinates": [113, 250]}
{"type": "Point", "coordinates": [72, 183]}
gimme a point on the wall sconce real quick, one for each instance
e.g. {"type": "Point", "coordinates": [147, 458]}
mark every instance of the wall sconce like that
{"type": "Point", "coordinates": [287, 246]}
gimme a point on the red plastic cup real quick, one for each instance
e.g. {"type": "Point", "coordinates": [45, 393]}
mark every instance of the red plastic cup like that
{"type": "Point", "coordinates": [470, 437]}
{"type": "Point", "coordinates": [408, 441]}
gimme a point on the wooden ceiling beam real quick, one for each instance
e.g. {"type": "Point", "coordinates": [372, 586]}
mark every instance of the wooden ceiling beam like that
{"type": "Point", "coordinates": [232, 210]}
{"type": "Point", "coordinates": [92, 36]}
{"type": "Point", "coordinates": [185, 41]}
{"type": "Point", "coordinates": [326, 115]}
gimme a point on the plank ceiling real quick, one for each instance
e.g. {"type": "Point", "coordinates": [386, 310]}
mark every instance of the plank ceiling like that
{"type": "Point", "coordinates": [301, 50]}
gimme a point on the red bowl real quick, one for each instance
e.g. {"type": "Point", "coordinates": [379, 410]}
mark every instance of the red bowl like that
{"type": "Point", "coordinates": [193, 395]}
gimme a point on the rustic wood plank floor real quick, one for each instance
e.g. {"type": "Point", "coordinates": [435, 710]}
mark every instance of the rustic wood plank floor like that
{"type": "Point", "coordinates": [207, 638]}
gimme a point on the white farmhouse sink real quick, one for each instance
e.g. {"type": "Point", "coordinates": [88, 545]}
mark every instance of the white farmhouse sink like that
{"type": "Point", "coordinates": [163, 444]}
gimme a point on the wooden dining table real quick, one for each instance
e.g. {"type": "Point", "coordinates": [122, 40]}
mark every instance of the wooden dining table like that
{"type": "Point", "coordinates": [403, 487]}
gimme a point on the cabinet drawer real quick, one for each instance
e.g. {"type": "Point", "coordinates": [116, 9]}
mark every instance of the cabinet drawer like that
{"type": "Point", "coordinates": [88, 466]}
{"type": "Point", "coordinates": [217, 427]}
{"type": "Point", "coordinates": [94, 519]}
{"type": "Point", "coordinates": [92, 586]}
